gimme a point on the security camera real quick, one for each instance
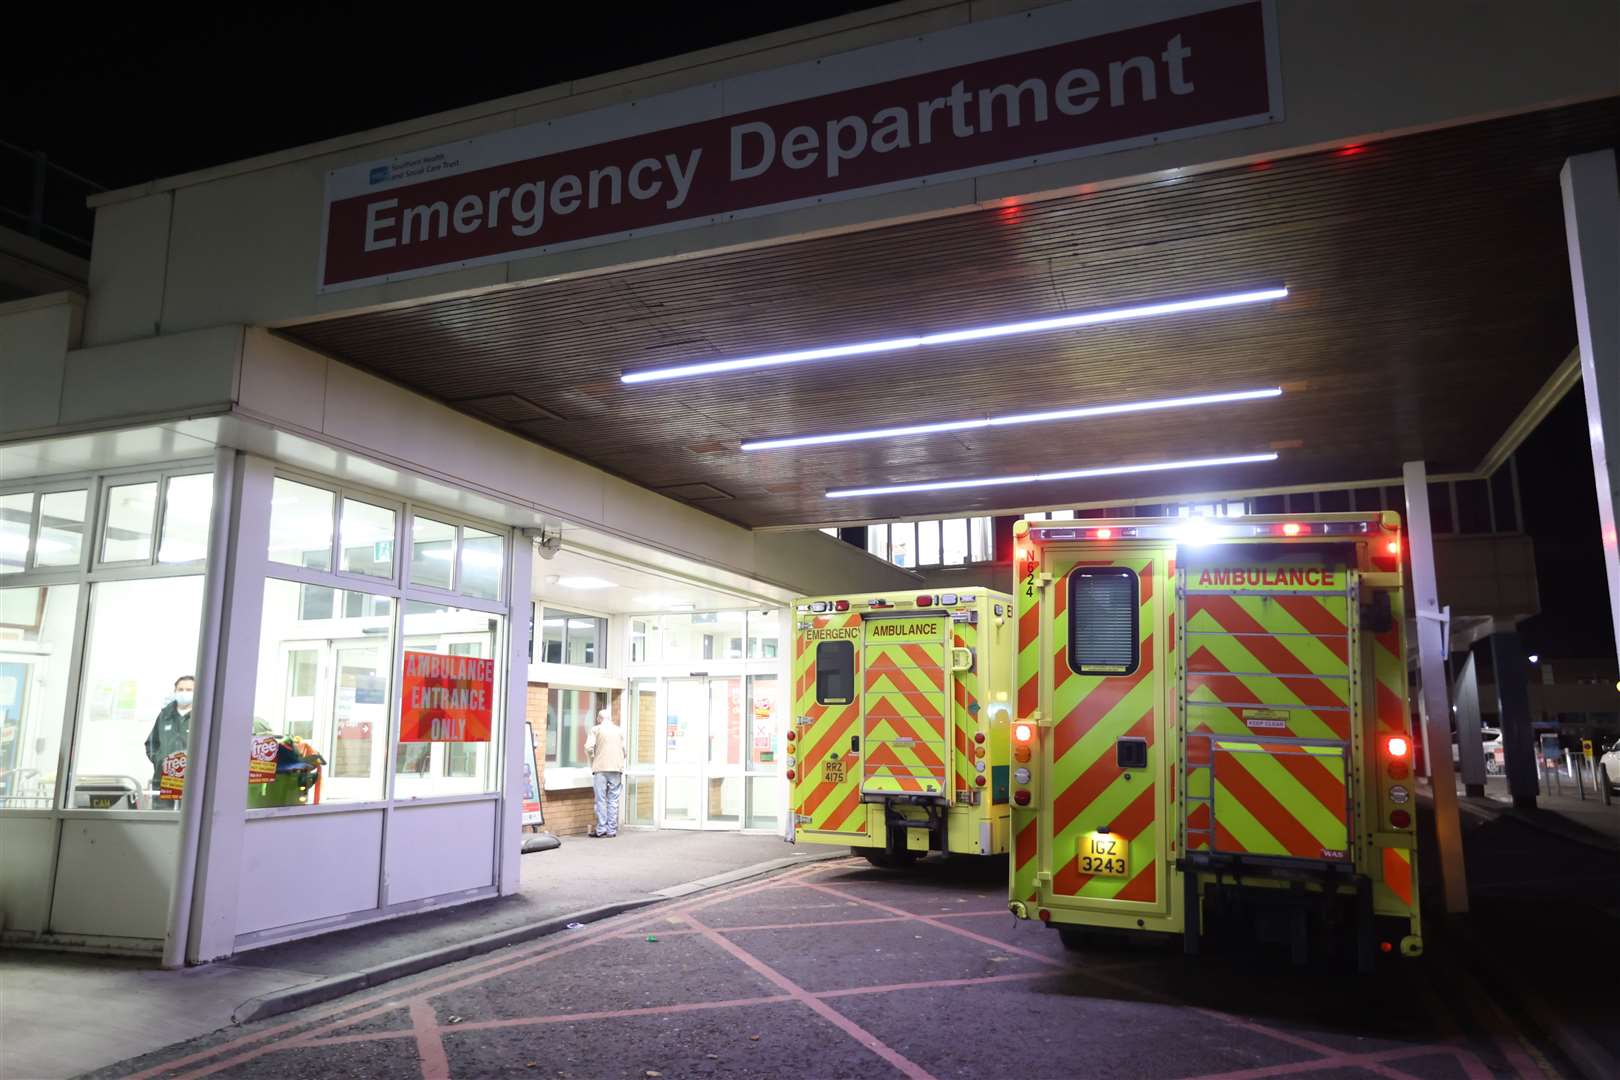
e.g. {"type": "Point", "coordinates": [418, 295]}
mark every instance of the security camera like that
{"type": "Point", "coordinates": [549, 544]}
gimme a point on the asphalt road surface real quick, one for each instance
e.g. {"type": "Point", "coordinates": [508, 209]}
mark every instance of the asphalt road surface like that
{"type": "Point", "coordinates": [840, 970]}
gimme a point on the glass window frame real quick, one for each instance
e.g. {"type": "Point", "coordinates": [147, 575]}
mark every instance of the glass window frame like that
{"type": "Point", "coordinates": [604, 622]}
{"type": "Point", "coordinates": [90, 571]}
{"type": "Point", "coordinates": [399, 588]}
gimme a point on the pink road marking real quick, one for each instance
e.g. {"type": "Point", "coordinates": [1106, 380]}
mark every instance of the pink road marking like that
{"type": "Point", "coordinates": [820, 1008]}
{"type": "Point", "coordinates": [429, 1047]}
{"type": "Point", "coordinates": [1507, 1036]}
{"type": "Point", "coordinates": [931, 984]}
{"type": "Point", "coordinates": [1028, 953]}
{"type": "Point", "coordinates": [353, 1011]}
{"type": "Point", "coordinates": [1337, 1060]}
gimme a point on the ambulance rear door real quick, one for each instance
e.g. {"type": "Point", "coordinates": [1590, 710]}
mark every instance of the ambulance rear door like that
{"type": "Point", "coordinates": [827, 729]}
{"type": "Point", "coordinates": [906, 688]}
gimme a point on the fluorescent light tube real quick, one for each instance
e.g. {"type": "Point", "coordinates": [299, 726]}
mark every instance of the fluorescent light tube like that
{"type": "Point", "coordinates": [1067, 474]}
{"type": "Point", "coordinates": [1078, 413]}
{"type": "Point", "coordinates": [953, 337]}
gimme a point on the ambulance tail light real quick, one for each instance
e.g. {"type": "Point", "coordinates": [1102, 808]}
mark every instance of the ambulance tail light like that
{"type": "Point", "coordinates": [1398, 747]}
{"type": "Point", "coordinates": [1400, 819]}
{"type": "Point", "coordinates": [791, 775]}
{"type": "Point", "coordinates": [1291, 528]}
{"type": "Point", "coordinates": [840, 605]}
{"type": "Point", "coordinates": [1023, 732]}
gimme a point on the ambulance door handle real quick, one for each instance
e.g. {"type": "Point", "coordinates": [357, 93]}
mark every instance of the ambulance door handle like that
{"type": "Point", "coordinates": [854, 744]}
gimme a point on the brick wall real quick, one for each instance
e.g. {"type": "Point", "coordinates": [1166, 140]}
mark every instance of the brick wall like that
{"type": "Point", "coordinates": [569, 812]}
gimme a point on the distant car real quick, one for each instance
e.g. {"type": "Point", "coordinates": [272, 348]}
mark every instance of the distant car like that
{"type": "Point", "coordinates": [1492, 738]}
{"type": "Point", "coordinates": [1608, 770]}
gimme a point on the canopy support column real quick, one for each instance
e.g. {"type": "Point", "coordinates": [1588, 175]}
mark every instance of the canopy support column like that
{"type": "Point", "coordinates": [1433, 630]}
{"type": "Point", "coordinates": [1592, 228]}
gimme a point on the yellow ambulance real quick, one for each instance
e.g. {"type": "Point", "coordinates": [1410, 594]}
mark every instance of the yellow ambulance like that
{"type": "Point", "coordinates": [901, 711]}
{"type": "Point", "coordinates": [1211, 729]}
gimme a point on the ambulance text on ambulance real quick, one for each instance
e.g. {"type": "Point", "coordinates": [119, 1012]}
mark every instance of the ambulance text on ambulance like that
{"type": "Point", "coordinates": [1304, 577]}
{"type": "Point", "coordinates": [548, 186]}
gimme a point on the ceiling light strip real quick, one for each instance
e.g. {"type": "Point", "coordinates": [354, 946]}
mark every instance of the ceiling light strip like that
{"type": "Point", "coordinates": [953, 337]}
{"type": "Point", "coordinates": [1078, 413]}
{"type": "Point", "coordinates": [1067, 474]}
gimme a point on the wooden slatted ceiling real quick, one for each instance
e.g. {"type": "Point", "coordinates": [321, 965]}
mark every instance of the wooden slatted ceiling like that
{"type": "Point", "coordinates": [1429, 299]}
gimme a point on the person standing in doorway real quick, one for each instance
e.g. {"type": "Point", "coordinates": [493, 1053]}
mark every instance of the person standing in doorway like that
{"type": "Point", "coordinates": [605, 748]}
{"type": "Point", "coordinates": [171, 731]}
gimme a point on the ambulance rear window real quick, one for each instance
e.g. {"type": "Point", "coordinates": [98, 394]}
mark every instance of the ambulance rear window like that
{"type": "Point", "coordinates": [835, 672]}
{"type": "Point", "coordinates": [1103, 611]}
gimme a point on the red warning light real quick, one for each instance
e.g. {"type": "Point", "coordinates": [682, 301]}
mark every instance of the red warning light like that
{"type": "Point", "coordinates": [1291, 529]}
{"type": "Point", "coordinates": [1105, 534]}
{"type": "Point", "coordinates": [1397, 746]}
{"type": "Point", "coordinates": [1393, 545]}
{"type": "Point", "coordinates": [1023, 732]}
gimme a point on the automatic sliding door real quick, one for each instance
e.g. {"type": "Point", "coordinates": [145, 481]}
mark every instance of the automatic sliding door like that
{"type": "Point", "coordinates": [686, 704]}
{"type": "Point", "coordinates": [723, 776]}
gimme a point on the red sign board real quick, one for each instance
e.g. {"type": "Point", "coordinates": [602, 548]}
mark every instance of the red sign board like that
{"type": "Point", "coordinates": [1044, 86]}
{"type": "Point", "coordinates": [446, 698]}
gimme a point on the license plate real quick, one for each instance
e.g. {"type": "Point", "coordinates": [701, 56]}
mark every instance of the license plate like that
{"type": "Point", "coordinates": [1104, 855]}
{"type": "Point", "coordinates": [832, 772]}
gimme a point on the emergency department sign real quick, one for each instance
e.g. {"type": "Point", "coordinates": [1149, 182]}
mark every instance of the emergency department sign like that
{"type": "Point", "coordinates": [446, 698]}
{"type": "Point", "coordinates": [1047, 85]}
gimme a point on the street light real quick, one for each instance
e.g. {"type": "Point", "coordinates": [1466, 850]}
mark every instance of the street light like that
{"type": "Point", "coordinates": [1535, 658]}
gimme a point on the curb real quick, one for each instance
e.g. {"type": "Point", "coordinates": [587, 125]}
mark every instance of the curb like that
{"type": "Point", "coordinates": [1541, 824]}
{"type": "Point", "coordinates": [322, 990]}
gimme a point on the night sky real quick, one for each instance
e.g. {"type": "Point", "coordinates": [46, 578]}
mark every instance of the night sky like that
{"type": "Point", "coordinates": [137, 94]}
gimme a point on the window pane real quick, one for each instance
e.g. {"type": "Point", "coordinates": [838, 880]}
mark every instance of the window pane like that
{"type": "Point", "coordinates": [1368, 498]}
{"type": "Point", "coordinates": [127, 536]}
{"type": "Point", "coordinates": [764, 801]}
{"type": "Point", "coordinates": [1301, 502]}
{"type": "Point", "coordinates": [762, 731]}
{"type": "Point", "coordinates": [368, 539]}
{"type": "Point", "coordinates": [642, 729]}
{"type": "Point", "coordinates": [638, 800]}
{"type": "Point", "coordinates": [136, 706]}
{"type": "Point", "coordinates": [449, 723]}
{"type": "Point", "coordinates": [835, 672]}
{"type": "Point", "coordinates": [927, 543]}
{"type": "Point", "coordinates": [1103, 612]}
{"type": "Point", "coordinates": [877, 540]}
{"type": "Point", "coordinates": [567, 637]}
{"type": "Point", "coordinates": [325, 661]}
{"type": "Point", "coordinates": [433, 552]}
{"type": "Point", "coordinates": [186, 513]}
{"type": "Point", "coordinates": [1062, 515]}
{"type": "Point", "coordinates": [569, 717]}
{"type": "Point", "coordinates": [301, 525]}
{"type": "Point", "coordinates": [955, 541]}
{"type": "Point", "coordinates": [61, 528]}
{"type": "Point", "coordinates": [16, 522]}
{"type": "Point", "coordinates": [1440, 508]}
{"type": "Point", "coordinates": [1332, 502]}
{"type": "Point", "coordinates": [1473, 507]}
{"type": "Point", "coordinates": [764, 635]}
{"type": "Point", "coordinates": [983, 548]}
{"type": "Point", "coordinates": [1507, 518]}
{"type": "Point", "coordinates": [37, 627]}
{"type": "Point", "coordinates": [903, 544]}
{"type": "Point", "coordinates": [481, 564]}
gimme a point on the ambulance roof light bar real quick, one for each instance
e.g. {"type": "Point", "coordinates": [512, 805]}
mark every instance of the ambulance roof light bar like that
{"type": "Point", "coordinates": [1199, 530]}
{"type": "Point", "coordinates": [1068, 474]}
{"type": "Point", "coordinates": [1069, 321]}
{"type": "Point", "coordinates": [1082, 412]}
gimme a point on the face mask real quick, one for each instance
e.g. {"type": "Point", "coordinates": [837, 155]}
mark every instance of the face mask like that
{"type": "Point", "coordinates": [182, 700]}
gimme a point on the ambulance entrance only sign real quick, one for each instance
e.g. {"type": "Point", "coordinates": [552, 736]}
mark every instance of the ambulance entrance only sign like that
{"type": "Point", "coordinates": [1030, 89]}
{"type": "Point", "coordinates": [446, 698]}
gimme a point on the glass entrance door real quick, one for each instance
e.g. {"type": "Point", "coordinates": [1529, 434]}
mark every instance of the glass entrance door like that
{"type": "Point", "coordinates": [723, 769]}
{"type": "Point", "coordinates": [685, 739]}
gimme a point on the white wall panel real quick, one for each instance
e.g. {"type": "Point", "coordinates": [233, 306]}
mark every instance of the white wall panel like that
{"type": "Point", "coordinates": [113, 876]}
{"type": "Point", "coordinates": [437, 850]}
{"type": "Point", "coordinates": [25, 872]}
{"type": "Point", "coordinates": [299, 868]}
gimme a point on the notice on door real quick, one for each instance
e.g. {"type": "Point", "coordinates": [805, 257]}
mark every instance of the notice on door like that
{"type": "Point", "coordinates": [446, 698]}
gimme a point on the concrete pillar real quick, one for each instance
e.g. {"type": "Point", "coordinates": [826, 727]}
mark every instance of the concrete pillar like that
{"type": "Point", "coordinates": [1513, 709]}
{"type": "Point", "coordinates": [1592, 229]}
{"type": "Point", "coordinates": [1432, 686]}
{"type": "Point", "coordinates": [1470, 747]}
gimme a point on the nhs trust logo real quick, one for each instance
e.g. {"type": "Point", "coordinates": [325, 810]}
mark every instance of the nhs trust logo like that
{"type": "Point", "coordinates": [378, 174]}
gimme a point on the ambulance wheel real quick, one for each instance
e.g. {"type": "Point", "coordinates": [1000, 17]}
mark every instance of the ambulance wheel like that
{"type": "Point", "coordinates": [1074, 938]}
